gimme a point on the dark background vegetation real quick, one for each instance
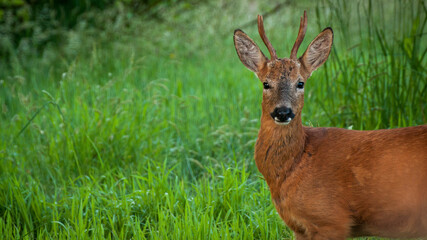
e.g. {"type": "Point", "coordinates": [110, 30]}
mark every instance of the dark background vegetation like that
{"type": "Point", "coordinates": [29, 26]}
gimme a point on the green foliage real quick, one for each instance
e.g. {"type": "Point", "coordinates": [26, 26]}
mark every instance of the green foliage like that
{"type": "Point", "coordinates": [383, 74]}
{"type": "Point", "coordinates": [28, 27]}
{"type": "Point", "coordinates": [145, 129]}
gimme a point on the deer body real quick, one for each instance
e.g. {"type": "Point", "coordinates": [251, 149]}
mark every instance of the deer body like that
{"type": "Point", "coordinates": [341, 182]}
{"type": "Point", "coordinates": [331, 183]}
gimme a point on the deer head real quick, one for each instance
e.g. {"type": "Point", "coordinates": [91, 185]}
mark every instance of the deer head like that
{"type": "Point", "coordinates": [283, 79]}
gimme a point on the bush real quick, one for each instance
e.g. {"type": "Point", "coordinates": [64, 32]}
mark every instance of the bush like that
{"type": "Point", "coordinates": [29, 26]}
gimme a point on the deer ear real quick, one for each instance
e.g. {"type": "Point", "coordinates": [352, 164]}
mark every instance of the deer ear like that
{"type": "Point", "coordinates": [318, 51]}
{"type": "Point", "coordinates": [249, 53]}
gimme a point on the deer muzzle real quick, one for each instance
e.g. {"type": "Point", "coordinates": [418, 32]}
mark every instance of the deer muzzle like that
{"type": "Point", "coordinates": [282, 115]}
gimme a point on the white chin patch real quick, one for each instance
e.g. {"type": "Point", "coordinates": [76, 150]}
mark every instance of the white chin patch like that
{"type": "Point", "coordinates": [278, 122]}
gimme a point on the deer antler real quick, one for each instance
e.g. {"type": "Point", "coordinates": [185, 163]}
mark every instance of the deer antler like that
{"type": "Point", "coordinates": [265, 39]}
{"type": "Point", "coordinates": [301, 34]}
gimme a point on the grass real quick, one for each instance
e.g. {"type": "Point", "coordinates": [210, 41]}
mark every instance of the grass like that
{"type": "Point", "coordinates": [147, 131]}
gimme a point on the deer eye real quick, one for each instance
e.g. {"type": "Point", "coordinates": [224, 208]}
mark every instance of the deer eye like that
{"type": "Point", "coordinates": [300, 85]}
{"type": "Point", "coordinates": [266, 85]}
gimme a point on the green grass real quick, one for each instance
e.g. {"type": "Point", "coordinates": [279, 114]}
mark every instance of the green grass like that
{"type": "Point", "coordinates": [147, 131]}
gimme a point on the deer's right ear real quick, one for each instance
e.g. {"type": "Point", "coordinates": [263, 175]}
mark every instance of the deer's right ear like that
{"type": "Point", "coordinates": [249, 53]}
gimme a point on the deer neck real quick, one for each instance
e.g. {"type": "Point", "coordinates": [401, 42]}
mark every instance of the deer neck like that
{"type": "Point", "coordinates": [279, 148]}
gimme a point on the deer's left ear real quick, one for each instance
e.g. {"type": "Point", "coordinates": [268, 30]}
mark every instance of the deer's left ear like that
{"type": "Point", "coordinates": [318, 51]}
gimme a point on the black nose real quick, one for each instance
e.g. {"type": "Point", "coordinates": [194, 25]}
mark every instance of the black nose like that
{"type": "Point", "coordinates": [282, 114]}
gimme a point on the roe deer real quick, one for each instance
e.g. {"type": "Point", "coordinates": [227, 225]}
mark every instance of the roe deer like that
{"type": "Point", "coordinates": [332, 183]}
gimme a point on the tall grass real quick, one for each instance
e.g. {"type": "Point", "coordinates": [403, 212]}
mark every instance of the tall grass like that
{"type": "Point", "coordinates": [380, 76]}
{"type": "Point", "coordinates": [148, 132]}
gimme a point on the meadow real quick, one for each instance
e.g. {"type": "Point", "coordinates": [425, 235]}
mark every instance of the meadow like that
{"type": "Point", "coordinates": [146, 130]}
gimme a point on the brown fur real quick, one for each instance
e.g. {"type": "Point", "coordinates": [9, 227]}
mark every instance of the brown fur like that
{"type": "Point", "coordinates": [331, 183]}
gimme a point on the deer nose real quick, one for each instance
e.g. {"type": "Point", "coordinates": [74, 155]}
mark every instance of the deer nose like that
{"type": "Point", "coordinates": [282, 114]}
